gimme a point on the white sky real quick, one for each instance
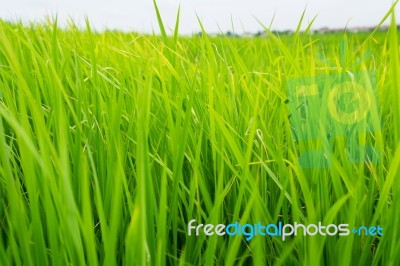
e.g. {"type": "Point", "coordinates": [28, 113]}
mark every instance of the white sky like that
{"type": "Point", "coordinates": [216, 16]}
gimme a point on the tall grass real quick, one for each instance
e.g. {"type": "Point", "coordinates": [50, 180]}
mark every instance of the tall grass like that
{"type": "Point", "coordinates": [112, 142]}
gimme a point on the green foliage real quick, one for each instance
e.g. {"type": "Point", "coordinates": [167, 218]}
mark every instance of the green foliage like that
{"type": "Point", "coordinates": [112, 142]}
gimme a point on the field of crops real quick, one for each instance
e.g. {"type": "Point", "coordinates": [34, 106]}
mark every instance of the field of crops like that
{"type": "Point", "coordinates": [110, 143]}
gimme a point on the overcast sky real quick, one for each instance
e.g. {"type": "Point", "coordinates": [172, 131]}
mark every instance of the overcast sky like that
{"type": "Point", "coordinates": [216, 15]}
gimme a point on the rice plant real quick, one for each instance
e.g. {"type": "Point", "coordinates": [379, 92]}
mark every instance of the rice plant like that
{"type": "Point", "coordinates": [112, 142]}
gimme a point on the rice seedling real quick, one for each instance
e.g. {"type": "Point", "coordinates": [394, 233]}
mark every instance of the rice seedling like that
{"type": "Point", "coordinates": [112, 142]}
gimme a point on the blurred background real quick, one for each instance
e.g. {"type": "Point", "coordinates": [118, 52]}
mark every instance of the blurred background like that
{"type": "Point", "coordinates": [217, 16]}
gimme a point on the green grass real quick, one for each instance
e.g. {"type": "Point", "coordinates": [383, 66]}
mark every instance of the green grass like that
{"type": "Point", "coordinates": [110, 143]}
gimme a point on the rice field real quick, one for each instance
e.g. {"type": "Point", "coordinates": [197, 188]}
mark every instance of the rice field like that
{"type": "Point", "coordinates": [112, 142]}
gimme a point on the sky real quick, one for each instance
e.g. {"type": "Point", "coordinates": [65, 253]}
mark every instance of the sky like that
{"type": "Point", "coordinates": [216, 15]}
